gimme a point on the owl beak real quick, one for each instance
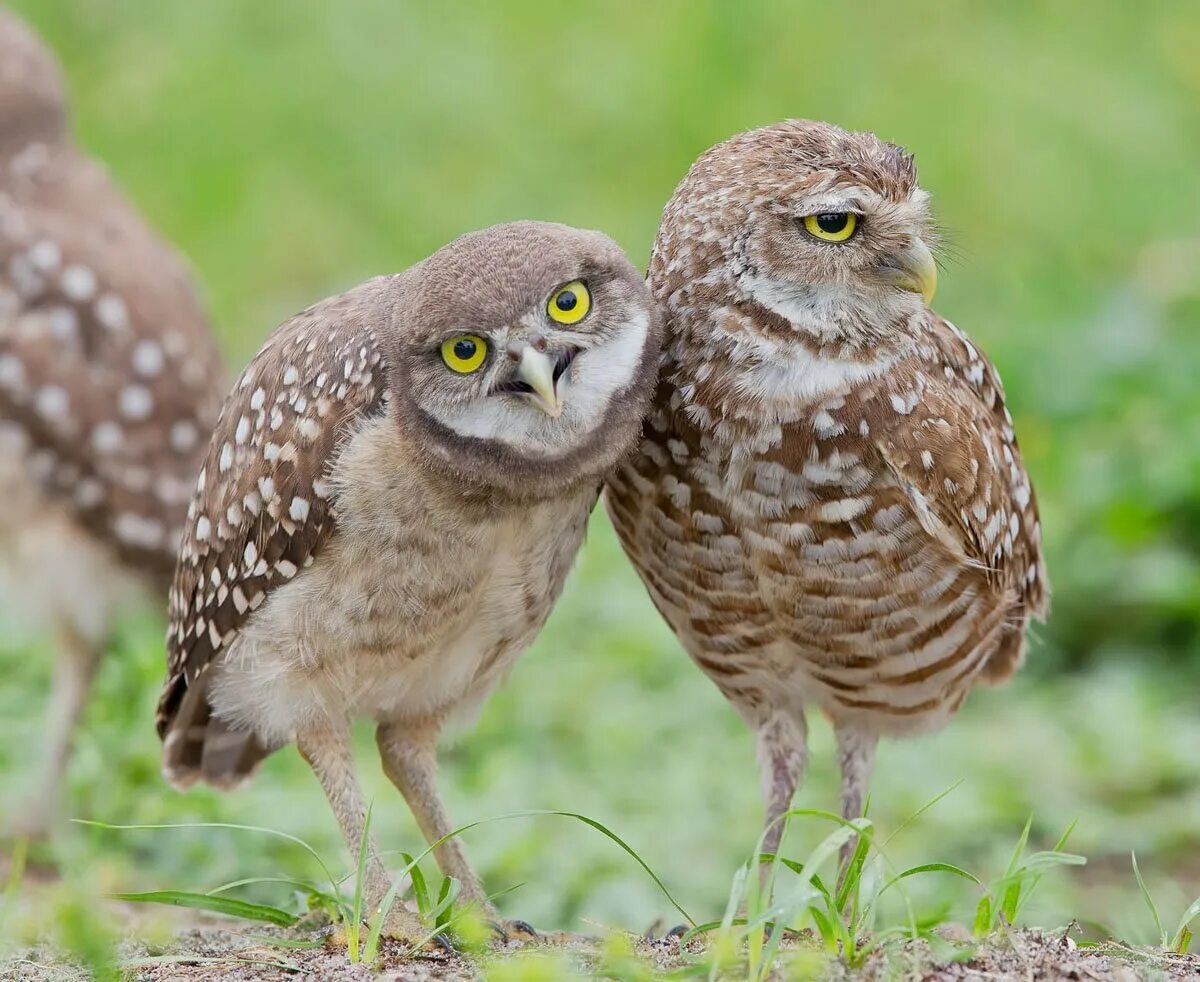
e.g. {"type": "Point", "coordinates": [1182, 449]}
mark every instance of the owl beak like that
{"type": "Point", "coordinates": [914, 270]}
{"type": "Point", "coordinates": [536, 370]}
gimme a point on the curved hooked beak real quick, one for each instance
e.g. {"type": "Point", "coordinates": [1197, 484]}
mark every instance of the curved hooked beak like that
{"type": "Point", "coordinates": [536, 370]}
{"type": "Point", "coordinates": [914, 270]}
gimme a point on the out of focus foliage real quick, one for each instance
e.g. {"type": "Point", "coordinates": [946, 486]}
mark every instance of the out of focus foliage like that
{"type": "Point", "coordinates": [294, 149]}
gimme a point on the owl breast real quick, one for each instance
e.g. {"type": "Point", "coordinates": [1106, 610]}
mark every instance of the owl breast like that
{"type": "Point", "coordinates": [416, 606]}
{"type": "Point", "coordinates": [800, 571]}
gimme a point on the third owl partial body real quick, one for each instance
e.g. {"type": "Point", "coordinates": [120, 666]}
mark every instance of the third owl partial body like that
{"type": "Point", "coordinates": [829, 506]}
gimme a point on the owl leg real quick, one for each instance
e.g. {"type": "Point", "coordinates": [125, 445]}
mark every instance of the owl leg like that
{"type": "Point", "coordinates": [782, 756]}
{"type": "Point", "coordinates": [409, 753]}
{"type": "Point", "coordinates": [74, 672]}
{"type": "Point", "coordinates": [327, 751]}
{"type": "Point", "coordinates": [856, 756]}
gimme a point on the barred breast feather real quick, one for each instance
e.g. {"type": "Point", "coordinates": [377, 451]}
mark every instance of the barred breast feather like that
{"type": "Point", "coordinates": [876, 549]}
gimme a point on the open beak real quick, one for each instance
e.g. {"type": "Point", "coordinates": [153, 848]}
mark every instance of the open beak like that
{"type": "Point", "coordinates": [536, 370]}
{"type": "Point", "coordinates": [914, 270]}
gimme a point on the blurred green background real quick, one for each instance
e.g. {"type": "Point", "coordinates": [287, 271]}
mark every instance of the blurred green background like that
{"type": "Point", "coordinates": [294, 149]}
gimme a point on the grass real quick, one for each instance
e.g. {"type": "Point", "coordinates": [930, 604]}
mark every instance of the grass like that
{"type": "Point", "coordinates": [292, 156]}
{"type": "Point", "coordinates": [806, 915]}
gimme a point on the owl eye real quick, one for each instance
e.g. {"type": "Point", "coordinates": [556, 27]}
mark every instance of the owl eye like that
{"type": "Point", "coordinates": [569, 304]}
{"type": "Point", "coordinates": [464, 353]}
{"type": "Point", "coordinates": [831, 226]}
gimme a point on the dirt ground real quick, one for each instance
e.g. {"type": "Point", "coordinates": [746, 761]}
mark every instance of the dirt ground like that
{"type": "Point", "coordinates": [211, 951]}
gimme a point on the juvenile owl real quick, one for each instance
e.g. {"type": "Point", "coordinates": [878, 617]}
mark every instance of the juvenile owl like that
{"type": "Point", "coordinates": [109, 383]}
{"type": "Point", "coordinates": [395, 491]}
{"type": "Point", "coordinates": [828, 507]}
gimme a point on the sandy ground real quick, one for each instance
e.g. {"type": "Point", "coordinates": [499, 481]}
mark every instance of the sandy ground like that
{"type": "Point", "coordinates": [210, 951]}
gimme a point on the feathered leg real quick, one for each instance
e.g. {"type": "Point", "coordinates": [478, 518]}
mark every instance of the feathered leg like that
{"type": "Point", "coordinates": [856, 757]}
{"type": "Point", "coordinates": [782, 757]}
{"type": "Point", "coordinates": [328, 752]}
{"type": "Point", "coordinates": [409, 754]}
{"type": "Point", "coordinates": [74, 672]}
{"type": "Point", "coordinates": [408, 750]}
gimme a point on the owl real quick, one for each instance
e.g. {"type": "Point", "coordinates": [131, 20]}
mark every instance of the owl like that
{"type": "Point", "coordinates": [828, 506]}
{"type": "Point", "coordinates": [392, 498]}
{"type": "Point", "coordinates": [109, 383]}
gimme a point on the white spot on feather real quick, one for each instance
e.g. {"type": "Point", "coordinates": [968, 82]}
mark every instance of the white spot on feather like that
{"type": "Point", "coordinates": [112, 313]}
{"type": "Point", "coordinates": [148, 358]}
{"type": "Point", "coordinates": [78, 282]}
{"type": "Point", "coordinates": [106, 437]}
{"type": "Point", "coordinates": [136, 402]}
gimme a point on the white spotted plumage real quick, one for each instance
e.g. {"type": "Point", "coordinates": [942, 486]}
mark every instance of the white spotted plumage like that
{"type": "Point", "coordinates": [386, 564]}
{"type": "Point", "coordinates": [89, 296]}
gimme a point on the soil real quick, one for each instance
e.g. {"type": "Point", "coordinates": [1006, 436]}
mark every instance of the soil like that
{"type": "Point", "coordinates": [212, 951]}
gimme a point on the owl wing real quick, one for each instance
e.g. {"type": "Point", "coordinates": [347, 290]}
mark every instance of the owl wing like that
{"type": "Point", "coordinates": [109, 378]}
{"type": "Point", "coordinates": [945, 432]}
{"type": "Point", "coordinates": [261, 509]}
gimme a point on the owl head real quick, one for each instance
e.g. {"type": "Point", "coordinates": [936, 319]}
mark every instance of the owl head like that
{"type": "Point", "coordinates": [32, 92]}
{"type": "Point", "coordinates": [529, 355]}
{"type": "Point", "coordinates": [824, 231]}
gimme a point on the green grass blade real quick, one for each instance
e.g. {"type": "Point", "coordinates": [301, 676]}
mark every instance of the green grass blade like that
{"type": "Point", "coordinates": [824, 928]}
{"type": "Point", "coordinates": [1019, 851]}
{"type": "Point", "coordinates": [217, 905]}
{"type": "Point", "coordinates": [1178, 943]}
{"type": "Point", "coordinates": [930, 868]}
{"type": "Point", "coordinates": [304, 885]}
{"type": "Point", "coordinates": [1062, 839]}
{"type": "Point", "coordinates": [921, 811]}
{"type": "Point", "coordinates": [419, 886]}
{"type": "Point", "coordinates": [1158, 926]}
{"type": "Point", "coordinates": [220, 825]}
{"type": "Point", "coordinates": [829, 846]}
{"type": "Point", "coordinates": [982, 926]}
{"type": "Point", "coordinates": [591, 823]}
{"type": "Point", "coordinates": [290, 944]}
{"type": "Point", "coordinates": [13, 884]}
{"type": "Point", "coordinates": [1043, 860]}
{"type": "Point", "coordinates": [447, 894]}
{"type": "Point", "coordinates": [707, 927]}
{"type": "Point", "coordinates": [1010, 900]}
{"type": "Point", "coordinates": [851, 879]}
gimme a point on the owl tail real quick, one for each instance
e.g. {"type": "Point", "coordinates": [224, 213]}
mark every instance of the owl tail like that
{"type": "Point", "coordinates": [198, 746]}
{"type": "Point", "coordinates": [1009, 655]}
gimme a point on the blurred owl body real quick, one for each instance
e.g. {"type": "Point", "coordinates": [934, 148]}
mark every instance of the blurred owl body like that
{"type": "Point", "coordinates": [391, 501]}
{"type": "Point", "coordinates": [109, 382]}
{"type": "Point", "coordinates": [829, 506]}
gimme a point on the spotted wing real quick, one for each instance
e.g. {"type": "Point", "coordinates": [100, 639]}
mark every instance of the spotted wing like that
{"type": "Point", "coordinates": [261, 510]}
{"type": "Point", "coordinates": [109, 377]}
{"type": "Point", "coordinates": [945, 431]}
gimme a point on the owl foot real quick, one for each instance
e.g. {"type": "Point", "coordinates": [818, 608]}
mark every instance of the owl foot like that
{"type": "Point", "coordinates": [514, 930]}
{"type": "Point", "coordinates": [524, 933]}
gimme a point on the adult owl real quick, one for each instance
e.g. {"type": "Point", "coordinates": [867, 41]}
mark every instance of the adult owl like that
{"type": "Point", "coordinates": [828, 507]}
{"type": "Point", "coordinates": [392, 498]}
{"type": "Point", "coordinates": [109, 382]}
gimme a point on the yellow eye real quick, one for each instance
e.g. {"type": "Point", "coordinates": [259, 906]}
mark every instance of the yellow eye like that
{"type": "Point", "coordinates": [831, 226]}
{"type": "Point", "coordinates": [569, 304]}
{"type": "Point", "coordinates": [465, 353]}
